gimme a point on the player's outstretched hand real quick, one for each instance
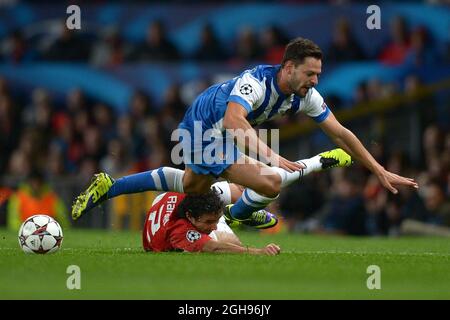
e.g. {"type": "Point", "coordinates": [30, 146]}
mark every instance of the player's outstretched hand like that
{"type": "Point", "coordinates": [391, 180]}
{"type": "Point", "coordinates": [271, 249]}
{"type": "Point", "coordinates": [283, 163]}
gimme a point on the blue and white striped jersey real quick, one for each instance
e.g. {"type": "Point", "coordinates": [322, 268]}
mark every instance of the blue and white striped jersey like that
{"type": "Point", "coordinates": [258, 92]}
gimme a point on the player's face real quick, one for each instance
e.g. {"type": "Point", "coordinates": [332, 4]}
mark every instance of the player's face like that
{"type": "Point", "coordinates": [304, 76]}
{"type": "Point", "coordinates": [206, 223]}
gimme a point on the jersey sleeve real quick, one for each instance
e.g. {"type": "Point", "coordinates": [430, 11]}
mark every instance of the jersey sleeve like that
{"type": "Point", "coordinates": [315, 106]}
{"type": "Point", "coordinates": [247, 91]}
{"type": "Point", "coordinates": [185, 237]}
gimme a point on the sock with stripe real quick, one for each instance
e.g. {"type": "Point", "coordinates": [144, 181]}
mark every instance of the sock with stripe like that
{"type": "Point", "coordinates": [249, 202]}
{"type": "Point", "coordinates": [162, 179]}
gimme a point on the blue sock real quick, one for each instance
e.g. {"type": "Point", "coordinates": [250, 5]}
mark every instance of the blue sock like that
{"type": "Point", "coordinates": [249, 202]}
{"type": "Point", "coordinates": [162, 179]}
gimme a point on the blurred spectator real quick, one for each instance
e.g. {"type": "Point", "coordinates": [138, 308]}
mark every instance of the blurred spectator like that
{"type": "Point", "coordinates": [299, 202]}
{"type": "Point", "coordinates": [30, 150]}
{"type": "Point", "coordinates": [422, 51]}
{"type": "Point", "coordinates": [377, 90]}
{"type": "Point", "coordinates": [75, 101]}
{"type": "Point", "coordinates": [55, 162]}
{"type": "Point", "coordinates": [5, 194]}
{"type": "Point", "coordinates": [246, 48]}
{"type": "Point", "coordinates": [93, 143]}
{"type": "Point", "coordinates": [346, 213]}
{"type": "Point", "coordinates": [171, 113]}
{"type": "Point", "coordinates": [111, 51]}
{"type": "Point", "coordinates": [39, 112]}
{"type": "Point", "coordinates": [87, 168]}
{"type": "Point", "coordinates": [375, 199]}
{"type": "Point", "coordinates": [157, 46]}
{"type": "Point", "coordinates": [70, 146]}
{"type": "Point", "coordinates": [68, 46]}
{"type": "Point", "coordinates": [140, 108]}
{"type": "Point", "coordinates": [361, 94]}
{"type": "Point", "coordinates": [19, 164]}
{"type": "Point", "coordinates": [117, 161]}
{"type": "Point", "coordinates": [127, 135]}
{"type": "Point", "coordinates": [103, 117]}
{"type": "Point", "coordinates": [396, 50]}
{"type": "Point", "coordinates": [393, 215]}
{"type": "Point", "coordinates": [210, 48]}
{"type": "Point", "coordinates": [273, 44]}
{"type": "Point", "coordinates": [413, 86]}
{"type": "Point", "coordinates": [10, 125]}
{"type": "Point", "coordinates": [437, 204]}
{"type": "Point", "coordinates": [32, 197]}
{"type": "Point", "coordinates": [432, 143]}
{"type": "Point", "coordinates": [344, 46]}
{"type": "Point", "coordinates": [15, 49]}
{"type": "Point", "coordinates": [156, 153]}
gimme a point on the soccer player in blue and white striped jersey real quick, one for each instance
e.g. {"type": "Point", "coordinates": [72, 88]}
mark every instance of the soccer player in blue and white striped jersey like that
{"type": "Point", "coordinates": [208, 133]}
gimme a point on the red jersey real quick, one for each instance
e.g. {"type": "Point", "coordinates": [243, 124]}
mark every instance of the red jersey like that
{"type": "Point", "coordinates": [164, 231]}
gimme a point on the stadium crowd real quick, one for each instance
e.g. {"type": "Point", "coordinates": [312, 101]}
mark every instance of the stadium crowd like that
{"type": "Point", "coordinates": [81, 136]}
{"type": "Point", "coordinates": [108, 47]}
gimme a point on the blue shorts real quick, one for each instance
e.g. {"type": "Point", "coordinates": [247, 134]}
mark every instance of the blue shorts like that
{"type": "Point", "coordinates": [208, 151]}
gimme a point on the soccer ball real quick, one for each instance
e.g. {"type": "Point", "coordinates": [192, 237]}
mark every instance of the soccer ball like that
{"type": "Point", "coordinates": [40, 234]}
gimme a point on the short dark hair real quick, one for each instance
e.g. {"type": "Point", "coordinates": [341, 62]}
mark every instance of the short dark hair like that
{"type": "Point", "coordinates": [298, 49]}
{"type": "Point", "coordinates": [199, 204]}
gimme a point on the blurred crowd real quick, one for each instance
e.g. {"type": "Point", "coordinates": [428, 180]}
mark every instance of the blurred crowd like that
{"type": "Point", "coordinates": [107, 47]}
{"type": "Point", "coordinates": [352, 201]}
{"type": "Point", "coordinates": [40, 136]}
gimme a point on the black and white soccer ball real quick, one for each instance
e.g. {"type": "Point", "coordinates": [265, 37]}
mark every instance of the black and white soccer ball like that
{"type": "Point", "coordinates": [40, 234]}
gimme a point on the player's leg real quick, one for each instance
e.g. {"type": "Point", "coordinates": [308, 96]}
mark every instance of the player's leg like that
{"type": "Point", "coordinates": [257, 195]}
{"type": "Point", "coordinates": [262, 187]}
{"type": "Point", "coordinates": [322, 161]}
{"type": "Point", "coordinates": [230, 192]}
{"type": "Point", "coordinates": [196, 183]}
{"type": "Point", "coordinates": [104, 187]}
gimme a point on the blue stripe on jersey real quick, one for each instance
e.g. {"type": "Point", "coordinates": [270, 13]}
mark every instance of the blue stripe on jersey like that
{"type": "Point", "coordinates": [322, 116]}
{"type": "Point", "coordinates": [163, 179]}
{"type": "Point", "coordinates": [276, 107]}
{"type": "Point", "coordinates": [255, 114]}
{"type": "Point", "coordinates": [241, 101]}
{"type": "Point", "coordinates": [295, 104]}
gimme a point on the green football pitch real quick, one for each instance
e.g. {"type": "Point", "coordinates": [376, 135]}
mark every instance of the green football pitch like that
{"type": "Point", "coordinates": [113, 266]}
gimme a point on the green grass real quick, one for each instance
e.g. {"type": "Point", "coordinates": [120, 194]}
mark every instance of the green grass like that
{"type": "Point", "coordinates": [113, 266]}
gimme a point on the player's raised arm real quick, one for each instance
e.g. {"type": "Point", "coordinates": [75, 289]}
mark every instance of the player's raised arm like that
{"type": "Point", "coordinates": [214, 246]}
{"type": "Point", "coordinates": [349, 142]}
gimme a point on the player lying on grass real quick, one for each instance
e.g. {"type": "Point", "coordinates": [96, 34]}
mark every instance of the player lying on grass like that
{"type": "Point", "coordinates": [103, 187]}
{"type": "Point", "coordinates": [193, 223]}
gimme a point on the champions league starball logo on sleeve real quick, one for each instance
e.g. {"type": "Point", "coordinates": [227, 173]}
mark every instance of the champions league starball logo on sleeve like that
{"type": "Point", "coordinates": [193, 235]}
{"type": "Point", "coordinates": [246, 89]}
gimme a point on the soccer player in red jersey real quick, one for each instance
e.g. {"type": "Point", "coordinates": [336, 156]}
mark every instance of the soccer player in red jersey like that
{"type": "Point", "coordinates": [193, 223]}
